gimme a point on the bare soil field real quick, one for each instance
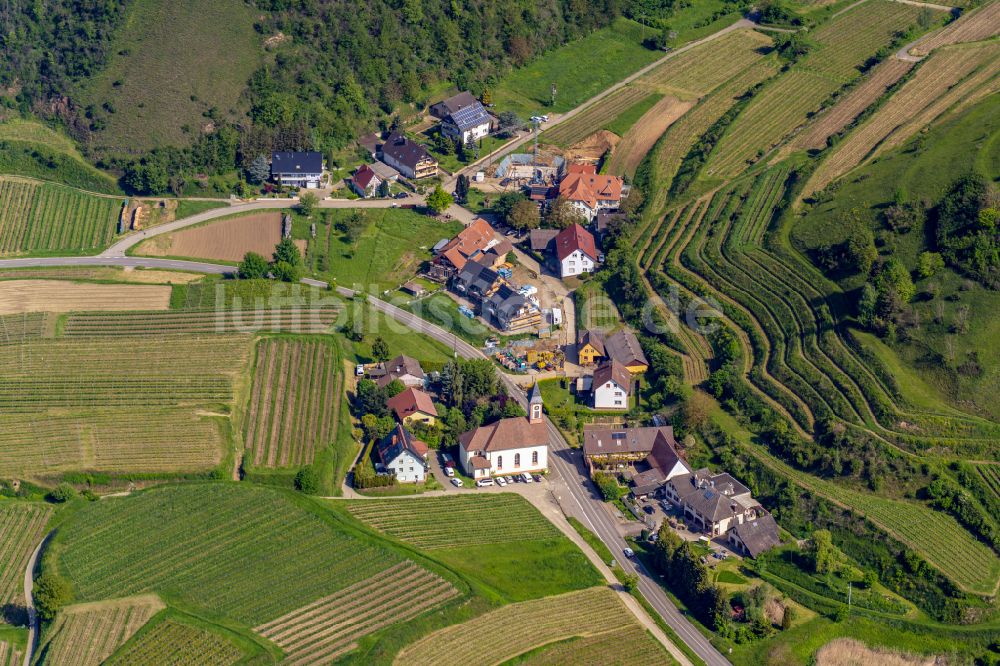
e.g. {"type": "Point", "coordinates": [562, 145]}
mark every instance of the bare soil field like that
{"type": "Point", "coordinates": [225, 240]}
{"type": "Point", "coordinates": [591, 148]}
{"type": "Point", "coordinates": [17, 296]}
{"type": "Point", "coordinates": [643, 134]}
{"type": "Point", "coordinates": [847, 652]}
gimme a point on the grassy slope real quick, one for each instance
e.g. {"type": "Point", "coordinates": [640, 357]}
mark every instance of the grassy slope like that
{"type": "Point", "coordinates": [29, 148]}
{"type": "Point", "coordinates": [165, 54]}
{"type": "Point", "coordinates": [964, 143]}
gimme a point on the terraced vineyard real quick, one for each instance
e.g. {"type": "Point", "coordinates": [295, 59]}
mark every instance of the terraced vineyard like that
{"type": "Point", "coordinates": [109, 440]}
{"type": "Point", "coordinates": [596, 116]}
{"type": "Point", "coordinates": [446, 522]}
{"type": "Point", "coordinates": [21, 528]}
{"type": "Point", "coordinates": [198, 370]}
{"type": "Point", "coordinates": [220, 546]}
{"type": "Point", "coordinates": [329, 627]}
{"type": "Point", "coordinates": [991, 475]}
{"type": "Point", "coordinates": [518, 628]}
{"type": "Point", "coordinates": [950, 75]}
{"type": "Point", "coordinates": [293, 403]}
{"type": "Point", "coordinates": [185, 322]}
{"type": "Point", "coordinates": [972, 26]}
{"type": "Point", "coordinates": [87, 634]}
{"type": "Point", "coordinates": [10, 655]}
{"type": "Point", "coordinates": [173, 643]}
{"type": "Point", "coordinates": [20, 328]}
{"type": "Point", "coordinates": [636, 142]}
{"type": "Point", "coordinates": [44, 217]}
{"type": "Point", "coordinates": [631, 645]}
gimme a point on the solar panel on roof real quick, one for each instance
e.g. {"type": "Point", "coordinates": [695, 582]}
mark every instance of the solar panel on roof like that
{"type": "Point", "coordinates": [470, 116]}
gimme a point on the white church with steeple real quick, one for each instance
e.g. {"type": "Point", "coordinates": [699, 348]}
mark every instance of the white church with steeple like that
{"type": "Point", "coordinates": [508, 446]}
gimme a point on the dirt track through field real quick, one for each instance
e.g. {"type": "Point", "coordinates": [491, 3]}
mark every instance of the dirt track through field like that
{"type": "Point", "coordinates": [17, 296]}
{"type": "Point", "coordinates": [644, 133]}
{"type": "Point", "coordinates": [226, 240]}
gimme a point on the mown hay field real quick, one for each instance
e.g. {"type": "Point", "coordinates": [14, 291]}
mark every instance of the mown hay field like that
{"type": "Point", "coordinates": [289, 319]}
{"type": "Point", "coordinates": [518, 628]}
{"type": "Point", "coordinates": [44, 218]}
{"type": "Point", "coordinates": [848, 652]}
{"type": "Point", "coordinates": [173, 643]}
{"type": "Point", "coordinates": [222, 240]}
{"type": "Point", "coordinates": [62, 296]}
{"type": "Point", "coordinates": [87, 634]}
{"type": "Point", "coordinates": [21, 528]}
{"type": "Point", "coordinates": [330, 627]}
{"type": "Point", "coordinates": [228, 548]}
{"type": "Point", "coordinates": [294, 402]}
{"type": "Point", "coordinates": [110, 440]}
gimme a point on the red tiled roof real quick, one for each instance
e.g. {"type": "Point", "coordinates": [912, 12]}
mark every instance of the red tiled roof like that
{"type": "Point", "coordinates": [410, 402]}
{"type": "Point", "coordinates": [363, 176]}
{"type": "Point", "coordinates": [512, 433]}
{"type": "Point", "coordinates": [574, 238]}
{"type": "Point", "coordinates": [582, 183]}
{"type": "Point", "coordinates": [474, 238]}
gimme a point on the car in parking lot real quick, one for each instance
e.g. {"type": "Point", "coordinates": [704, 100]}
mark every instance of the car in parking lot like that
{"type": "Point", "coordinates": [629, 552]}
{"type": "Point", "coordinates": [509, 479]}
{"type": "Point", "coordinates": [648, 509]}
{"type": "Point", "coordinates": [457, 482]}
{"type": "Point", "coordinates": [501, 482]}
{"type": "Point", "coordinates": [538, 478]}
{"type": "Point", "coordinates": [527, 477]}
{"type": "Point", "coordinates": [482, 483]}
{"type": "Point", "coordinates": [448, 471]}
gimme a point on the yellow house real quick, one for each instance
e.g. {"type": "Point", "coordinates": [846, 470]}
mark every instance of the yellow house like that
{"type": "Point", "coordinates": [413, 406]}
{"type": "Point", "coordinates": [590, 347]}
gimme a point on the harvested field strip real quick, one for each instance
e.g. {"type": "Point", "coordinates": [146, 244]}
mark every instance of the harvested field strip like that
{"type": "Point", "coordinates": [595, 116]}
{"type": "Point", "coordinates": [15, 329]}
{"type": "Point", "coordinates": [221, 546]}
{"type": "Point", "coordinates": [10, 655]}
{"type": "Point", "coordinates": [446, 522]}
{"type": "Point", "coordinates": [305, 320]}
{"type": "Point", "coordinates": [853, 104]}
{"type": "Point", "coordinates": [21, 528]}
{"type": "Point", "coordinates": [87, 634]}
{"type": "Point", "coordinates": [679, 138]}
{"type": "Point", "coordinates": [933, 86]}
{"type": "Point", "coordinates": [847, 40]}
{"type": "Point", "coordinates": [172, 643]}
{"type": "Point", "coordinates": [628, 153]}
{"type": "Point", "coordinates": [526, 625]}
{"type": "Point", "coordinates": [774, 112]}
{"type": "Point", "coordinates": [700, 70]}
{"type": "Point", "coordinates": [37, 216]}
{"type": "Point", "coordinates": [936, 536]}
{"type": "Point", "coordinates": [630, 645]}
{"type": "Point", "coordinates": [88, 373]}
{"type": "Point", "coordinates": [17, 296]}
{"type": "Point", "coordinates": [225, 239]}
{"type": "Point", "coordinates": [972, 26]}
{"type": "Point", "coordinates": [290, 411]}
{"type": "Point", "coordinates": [109, 440]}
{"type": "Point", "coordinates": [328, 628]}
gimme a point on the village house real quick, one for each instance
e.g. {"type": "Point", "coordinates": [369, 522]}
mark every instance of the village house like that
{"type": "Point", "coordinates": [469, 123]}
{"type": "Point", "coordinates": [576, 251]}
{"type": "Point", "coordinates": [403, 455]}
{"type": "Point", "coordinates": [611, 387]}
{"type": "Point", "coordinates": [542, 240]}
{"type": "Point", "coordinates": [590, 192]}
{"type": "Point", "coordinates": [647, 454]}
{"type": "Point", "coordinates": [365, 182]}
{"type": "Point", "coordinates": [405, 369]}
{"type": "Point", "coordinates": [622, 347]}
{"type": "Point", "coordinates": [297, 169]}
{"type": "Point", "coordinates": [477, 281]}
{"type": "Point", "coordinates": [472, 243]}
{"type": "Point", "coordinates": [413, 406]}
{"type": "Point", "coordinates": [446, 107]}
{"type": "Point", "coordinates": [508, 446]}
{"type": "Point", "coordinates": [755, 536]}
{"type": "Point", "coordinates": [715, 503]}
{"type": "Point", "coordinates": [408, 157]}
{"type": "Point", "coordinates": [511, 310]}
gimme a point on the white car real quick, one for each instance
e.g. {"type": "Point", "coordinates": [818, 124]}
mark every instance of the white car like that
{"type": "Point", "coordinates": [509, 479]}
{"type": "Point", "coordinates": [449, 472]}
{"type": "Point", "coordinates": [501, 482]}
{"type": "Point", "coordinates": [482, 483]}
{"type": "Point", "coordinates": [629, 552]}
{"type": "Point", "coordinates": [360, 370]}
{"type": "Point", "coordinates": [456, 482]}
{"type": "Point", "coordinates": [527, 477]}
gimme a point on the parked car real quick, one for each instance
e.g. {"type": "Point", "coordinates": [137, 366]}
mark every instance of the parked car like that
{"type": "Point", "coordinates": [482, 483]}
{"type": "Point", "coordinates": [402, 195]}
{"type": "Point", "coordinates": [648, 509]}
{"type": "Point", "coordinates": [448, 471]}
{"type": "Point", "coordinates": [538, 478]}
{"type": "Point", "coordinates": [457, 482]}
{"type": "Point", "coordinates": [501, 482]}
{"type": "Point", "coordinates": [527, 477]}
{"type": "Point", "coordinates": [359, 370]}
{"type": "Point", "coordinates": [509, 479]}
{"type": "Point", "coordinates": [447, 460]}
{"type": "Point", "coordinates": [629, 552]}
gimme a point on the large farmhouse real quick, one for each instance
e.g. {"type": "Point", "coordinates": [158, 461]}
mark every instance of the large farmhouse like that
{"type": "Point", "coordinates": [648, 454]}
{"type": "Point", "coordinates": [622, 347]}
{"type": "Point", "coordinates": [407, 157]}
{"type": "Point", "coordinates": [473, 243]}
{"type": "Point", "coordinates": [576, 251]}
{"type": "Point", "coordinates": [508, 446]}
{"type": "Point", "coordinates": [297, 169]}
{"type": "Point", "coordinates": [590, 192]}
{"type": "Point", "coordinates": [403, 455]}
{"type": "Point", "coordinates": [469, 123]}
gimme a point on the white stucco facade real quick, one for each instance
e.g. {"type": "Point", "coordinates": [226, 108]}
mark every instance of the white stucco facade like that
{"type": "Point", "coordinates": [610, 395]}
{"type": "Point", "coordinates": [576, 263]}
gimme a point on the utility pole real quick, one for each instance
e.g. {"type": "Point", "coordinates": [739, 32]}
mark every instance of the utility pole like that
{"type": "Point", "coordinates": [848, 596]}
{"type": "Point", "coordinates": [552, 91]}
